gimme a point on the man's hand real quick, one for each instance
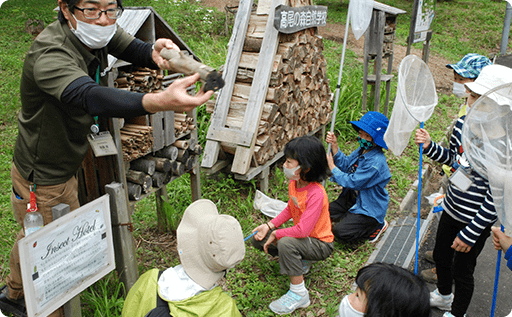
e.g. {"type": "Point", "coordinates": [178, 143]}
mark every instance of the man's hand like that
{"type": "Point", "coordinates": [460, 246]}
{"type": "Point", "coordinates": [161, 62]}
{"type": "Point", "coordinates": [176, 97]}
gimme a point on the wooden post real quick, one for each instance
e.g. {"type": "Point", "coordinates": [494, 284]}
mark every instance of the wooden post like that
{"type": "Point", "coordinates": [378, 59]}
{"type": "Point", "coordinates": [160, 197]}
{"type": "Point", "coordinates": [124, 245]}
{"type": "Point", "coordinates": [264, 180]}
{"type": "Point", "coordinates": [412, 27]}
{"type": "Point", "coordinates": [71, 308]}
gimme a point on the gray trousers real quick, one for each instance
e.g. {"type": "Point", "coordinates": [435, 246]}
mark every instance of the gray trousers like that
{"type": "Point", "coordinates": [292, 251]}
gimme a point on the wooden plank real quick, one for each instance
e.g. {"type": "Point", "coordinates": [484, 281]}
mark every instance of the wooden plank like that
{"type": "Point", "coordinates": [234, 136]}
{"type": "Point", "coordinates": [243, 155]}
{"type": "Point", "coordinates": [157, 122]}
{"type": "Point", "coordinates": [218, 118]}
{"type": "Point", "coordinates": [124, 245]}
{"type": "Point", "coordinates": [264, 7]}
{"type": "Point", "coordinates": [169, 128]}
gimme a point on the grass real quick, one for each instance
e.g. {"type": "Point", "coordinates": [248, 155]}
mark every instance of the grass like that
{"type": "Point", "coordinates": [460, 27]}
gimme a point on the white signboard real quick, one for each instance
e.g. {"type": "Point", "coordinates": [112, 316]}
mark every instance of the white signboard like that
{"type": "Point", "coordinates": [423, 19]}
{"type": "Point", "coordinates": [65, 257]}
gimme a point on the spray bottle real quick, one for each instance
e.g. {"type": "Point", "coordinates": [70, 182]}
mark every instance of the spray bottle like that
{"type": "Point", "coordinates": [33, 219]}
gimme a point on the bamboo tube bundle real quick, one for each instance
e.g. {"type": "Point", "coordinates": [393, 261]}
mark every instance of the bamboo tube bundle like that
{"type": "Point", "coordinates": [183, 123]}
{"type": "Point", "coordinates": [140, 80]}
{"type": "Point", "coordinates": [136, 140]}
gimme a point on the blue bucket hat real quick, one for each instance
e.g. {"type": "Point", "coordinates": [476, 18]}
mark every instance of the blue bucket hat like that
{"type": "Point", "coordinates": [375, 124]}
{"type": "Point", "coordinates": [470, 65]}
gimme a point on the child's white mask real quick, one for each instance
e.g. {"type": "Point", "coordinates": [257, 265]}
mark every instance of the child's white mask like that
{"type": "Point", "coordinates": [346, 310]}
{"type": "Point", "coordinates": [92, 35]}
{"type": "Point", "coordinates": [290, 173]}
{"type": "Point", "coordinates": [459, 90]}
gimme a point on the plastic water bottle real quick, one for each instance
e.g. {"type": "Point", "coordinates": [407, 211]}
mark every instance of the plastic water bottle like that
{"type": "Point", "coordinates": [33, 219]}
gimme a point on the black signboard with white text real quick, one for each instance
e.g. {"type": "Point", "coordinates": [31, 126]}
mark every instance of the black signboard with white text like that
{"type": "Point", "coordinates": [293, 19]}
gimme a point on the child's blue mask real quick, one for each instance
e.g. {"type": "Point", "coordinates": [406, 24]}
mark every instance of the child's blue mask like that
{"type": "Point", "coordinates": [365, 144]}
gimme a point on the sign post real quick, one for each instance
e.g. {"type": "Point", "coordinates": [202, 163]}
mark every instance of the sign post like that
{"type": "Point", "coordinates": [421, 20]}
{"type": "Point", "coordinates": [65, 257]}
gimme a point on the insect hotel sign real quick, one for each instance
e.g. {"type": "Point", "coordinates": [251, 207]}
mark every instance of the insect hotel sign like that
{"type": "Point", "coordinates": [276, 87]}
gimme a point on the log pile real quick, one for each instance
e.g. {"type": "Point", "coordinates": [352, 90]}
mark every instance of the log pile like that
{"type": "Point", "coordinates": [298, 99]}
{"type": "Point", "coordinates": [136, 140]}
{"type": "Point", "coordinates": [140, 80]}
{"type": "Point", "coordinates": [157, 170]}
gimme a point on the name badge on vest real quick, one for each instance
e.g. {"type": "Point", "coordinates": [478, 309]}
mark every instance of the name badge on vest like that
{"type": "Point", "coordinates": [461, 179]}
{"type": "Point", "coordinates": [102, 144]}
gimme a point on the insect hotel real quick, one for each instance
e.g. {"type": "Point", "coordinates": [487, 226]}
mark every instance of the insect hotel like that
{"type": "Point", "coordinates": [278, 91]}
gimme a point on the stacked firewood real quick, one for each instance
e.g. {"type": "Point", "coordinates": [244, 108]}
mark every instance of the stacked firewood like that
{"type": "Point", "coordinates": [157, 170]}
{"type": "Point", "coordinates": [298, 99]}
{"type": "Point", "coordinates": [141, 80]}
{"type": "Point", "coordinates": [136, 140]}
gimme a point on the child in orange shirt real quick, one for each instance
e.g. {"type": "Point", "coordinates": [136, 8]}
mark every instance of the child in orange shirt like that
{"type": "Point", "coordinates": [310, 238]}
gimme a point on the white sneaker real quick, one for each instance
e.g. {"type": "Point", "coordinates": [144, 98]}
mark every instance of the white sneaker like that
{"type": "Point", "coordinates": [443, 302]}
{"type": "Point", "coordinates": [289, 302]}
{"type": "Point", "coordinates": [448, 314]}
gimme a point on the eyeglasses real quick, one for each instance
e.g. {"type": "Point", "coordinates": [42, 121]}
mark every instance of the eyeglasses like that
{"type": "Point", "coordinates": [94, 13]}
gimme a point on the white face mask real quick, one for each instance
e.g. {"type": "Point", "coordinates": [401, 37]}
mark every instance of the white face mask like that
{"type": "Point", "coordinates": [459, 90]}
{"type": "Point", "coordinates": [290, 173]}
{"type": "Point", "coordinates": [92, 35]}
{"type": "Point", "coordinates": [346, 310]}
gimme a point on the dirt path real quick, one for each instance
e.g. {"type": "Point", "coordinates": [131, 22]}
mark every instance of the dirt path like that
{"type": "Point", "coordinates": [443, 77]}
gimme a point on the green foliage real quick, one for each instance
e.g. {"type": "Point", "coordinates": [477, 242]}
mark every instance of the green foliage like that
{"type": "Point", "coordinates": [187, 17]}
{"type": "Point", "coordinates": [104, 298]}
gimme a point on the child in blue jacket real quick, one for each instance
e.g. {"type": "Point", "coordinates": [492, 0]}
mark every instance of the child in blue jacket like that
{"type": "Point", "coordinates": [362, 205]}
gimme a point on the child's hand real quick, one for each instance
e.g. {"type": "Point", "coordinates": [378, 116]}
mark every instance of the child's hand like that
{"type": "Point", "coordinates": [422, 136]}
{"type": "Point", "coordinates": [330, 161]}
{"type": "Point", "coordinates": [331, 139]}
{"type": "Point", "coordinates": [262, 232]}
{"type": "Point", "coordinates": [271, 239]}
{"type": "Point", "coordinates": [460, 246]}
{"type": "Point", "coordinates": [500, 240]}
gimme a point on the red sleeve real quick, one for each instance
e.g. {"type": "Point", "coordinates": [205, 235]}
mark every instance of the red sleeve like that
{"type": "Point", "coordinates": [283, 216]}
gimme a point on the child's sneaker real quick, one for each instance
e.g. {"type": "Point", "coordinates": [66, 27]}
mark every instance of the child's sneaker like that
{"type": "Point", "coordinates": [375, 236]}
{"type": "Point", "coordinates": [429, 275]}
{"type": "Point", "coordinates": [429, 256]}
{"type": "Point", "coordinates": [443, 302]}
{"type": "Point", "coordinates": [306, 266]}
{"type": "Point", "coordinates": [288, 303]}
{"type": "Point", "coordinates": [448, 314]}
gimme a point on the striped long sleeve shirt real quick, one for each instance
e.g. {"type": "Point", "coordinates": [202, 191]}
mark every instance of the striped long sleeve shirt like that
{"type": "Point", "coordinates": [474, 206]}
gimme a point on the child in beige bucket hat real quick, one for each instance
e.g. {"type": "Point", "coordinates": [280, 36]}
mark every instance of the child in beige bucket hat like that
{"type": "Point", "coordinates": [208, 245]}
